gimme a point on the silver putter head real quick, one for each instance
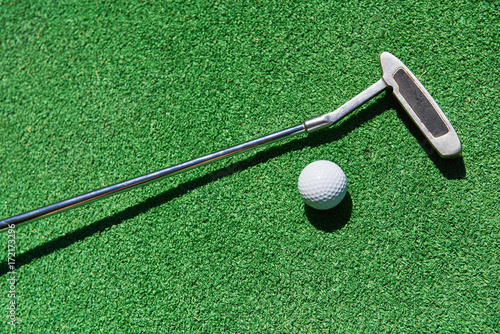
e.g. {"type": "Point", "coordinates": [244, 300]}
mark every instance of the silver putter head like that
{"type": "Point", "coordinates": [421, 107]}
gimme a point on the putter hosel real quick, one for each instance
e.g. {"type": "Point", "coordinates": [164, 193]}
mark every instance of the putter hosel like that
{"type": "Point", "coordinates": [325, 120]}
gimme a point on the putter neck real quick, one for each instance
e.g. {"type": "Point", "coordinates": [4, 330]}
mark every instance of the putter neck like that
{"type": "Point", "coordinates": [330, 118]}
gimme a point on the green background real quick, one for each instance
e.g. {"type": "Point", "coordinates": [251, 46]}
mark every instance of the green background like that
{"type": "Point", "coordinates": [93, 93]}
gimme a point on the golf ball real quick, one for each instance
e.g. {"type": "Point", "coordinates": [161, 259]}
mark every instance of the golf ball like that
{"type": "Point", "coordinates": [322, 184]}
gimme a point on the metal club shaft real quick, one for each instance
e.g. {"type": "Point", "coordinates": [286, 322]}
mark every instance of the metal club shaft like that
{"type": "Point", "coordinates": [144, 179]}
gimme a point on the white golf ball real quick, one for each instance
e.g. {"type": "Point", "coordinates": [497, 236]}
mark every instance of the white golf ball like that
{"type": "Point", "coordinates": [322, 184]}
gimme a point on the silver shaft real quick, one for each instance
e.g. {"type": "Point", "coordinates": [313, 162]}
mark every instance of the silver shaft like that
{"type": "Point", "coordinates": [309, 125]}
{"type": "Point", "coordinates": [144, 179]}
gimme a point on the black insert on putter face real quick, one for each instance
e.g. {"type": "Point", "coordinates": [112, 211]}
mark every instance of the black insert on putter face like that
{"type": "Point", "coordinates": [420, 104]}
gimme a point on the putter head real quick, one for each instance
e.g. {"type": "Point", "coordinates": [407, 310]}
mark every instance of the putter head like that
{"type": "Point", "coordinates": [421, 107]}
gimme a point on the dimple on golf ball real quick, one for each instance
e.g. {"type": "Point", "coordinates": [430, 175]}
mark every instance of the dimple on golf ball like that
{"type": "Point", "coordinates": [322, 184]}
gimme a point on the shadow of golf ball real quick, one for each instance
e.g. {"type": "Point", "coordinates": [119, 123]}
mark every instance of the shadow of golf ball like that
{"type": "Point", "coordinates": [332, 219]}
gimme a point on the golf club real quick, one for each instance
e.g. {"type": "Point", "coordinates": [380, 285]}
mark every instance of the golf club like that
{"type": "Point", "coordinates": [412, 95]}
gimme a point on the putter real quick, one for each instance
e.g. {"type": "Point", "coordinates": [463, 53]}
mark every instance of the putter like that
{"type": "Point", "coordinates": [412, 95]}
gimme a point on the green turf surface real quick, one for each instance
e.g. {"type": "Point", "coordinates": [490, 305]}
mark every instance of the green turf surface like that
{"type": "Point", "coordinates": [94, 93]}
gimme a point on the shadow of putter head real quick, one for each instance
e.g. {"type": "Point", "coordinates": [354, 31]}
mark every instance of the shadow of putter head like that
{"type": "Point", "coordinates": [413, 97]}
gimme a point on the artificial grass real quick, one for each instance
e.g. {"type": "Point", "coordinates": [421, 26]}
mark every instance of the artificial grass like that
{"type": "Point", "coordinates": [94, 93]}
